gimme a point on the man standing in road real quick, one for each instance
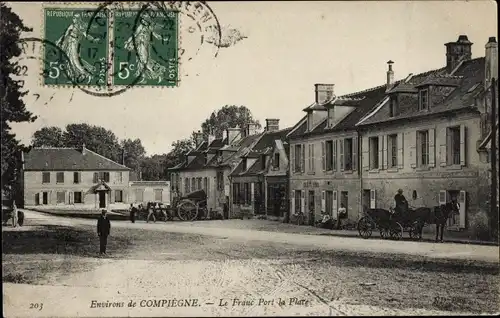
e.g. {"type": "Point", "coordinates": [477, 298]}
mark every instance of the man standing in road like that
{"type": "Point", "coordinates": [133, 210]}
{"type": "Point", "coordinates": [103, 230]}
{"type": "Point", "coordinates": [14, 214]}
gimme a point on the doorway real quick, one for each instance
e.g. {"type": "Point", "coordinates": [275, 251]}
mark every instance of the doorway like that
{"type": "Point", "coordinates": [45, 198]}
{"type": "Point", "coordinates": [102, 199]}
{"type": "Point", "coordinates": [311, 206]}
{"type": "Point", "coordinates": [366, 199]}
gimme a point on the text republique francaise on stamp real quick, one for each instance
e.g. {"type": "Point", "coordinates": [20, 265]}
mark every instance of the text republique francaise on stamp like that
{"type": "Point", "coordinates": [110, 46]}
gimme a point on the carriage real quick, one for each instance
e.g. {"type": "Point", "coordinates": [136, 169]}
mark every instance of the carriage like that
{"type": "Point", "coordinates": [190, 207]}
{"type": "Point", "coordinates": [390, 224]}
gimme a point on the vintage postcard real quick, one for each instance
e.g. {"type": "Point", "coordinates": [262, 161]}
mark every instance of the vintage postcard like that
{"type": "Point", "coordinates": [249, 158]}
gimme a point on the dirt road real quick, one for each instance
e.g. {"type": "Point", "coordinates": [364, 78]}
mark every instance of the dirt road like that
{"type": "Point", "coordinates": [224, 272]}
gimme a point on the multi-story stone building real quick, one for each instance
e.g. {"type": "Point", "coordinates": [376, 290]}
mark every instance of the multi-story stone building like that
{"type": "Point", "coordinates": [259, 171]}
{"type": "Point", "coordinates": [72, 178]}
{"type": "Point", "coordinates": [422, 136]}
{"type": "Point", "coordinates": [419, 134]}
{"type": "Point", "coordinates": [208, 166]}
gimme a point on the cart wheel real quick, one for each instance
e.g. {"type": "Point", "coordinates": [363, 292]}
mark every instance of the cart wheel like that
{"type": "Point", "coordinates": [384, 233]}
{"type": "Point", "coordinates": [396, 231]}
{"type": "Point", "coordinates": [365, 227]}
{"type": "Point", "coordinates": [415, 231]}
{"type": "Point", "coordinates": [187, 211]}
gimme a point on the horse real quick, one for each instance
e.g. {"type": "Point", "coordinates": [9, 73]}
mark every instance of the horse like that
{"type": "Point", "coordinates": [438, 215]}
{"type": "Point", "coordinates": [381, 217]}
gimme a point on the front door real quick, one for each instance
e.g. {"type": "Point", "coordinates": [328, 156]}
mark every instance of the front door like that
{"type": "Point", "coordinates": [311, 206]}
{"type": "Point", "coordinates": [102, 199]}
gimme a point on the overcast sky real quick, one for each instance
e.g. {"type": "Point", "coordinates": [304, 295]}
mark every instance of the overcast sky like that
{"type": "Point", "coordinates": [290, 47]}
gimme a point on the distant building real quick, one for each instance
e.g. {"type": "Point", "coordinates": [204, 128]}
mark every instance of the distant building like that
{"type": "Point", "coordinates": [71, 178]}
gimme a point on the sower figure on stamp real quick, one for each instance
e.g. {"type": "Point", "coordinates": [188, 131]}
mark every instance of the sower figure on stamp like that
{"type": "Point", "coordinates": [103, 230]}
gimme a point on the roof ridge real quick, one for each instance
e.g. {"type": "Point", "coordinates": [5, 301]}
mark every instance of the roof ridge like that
{"type": "Point", "coordinates": [107, 158]}
{"type": "Point", "coordinates": [55, 148]}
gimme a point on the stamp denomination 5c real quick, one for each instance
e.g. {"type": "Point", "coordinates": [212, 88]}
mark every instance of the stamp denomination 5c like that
{"type": "Point", "coordinates": [145, 47]}
{"type": "Point", "coordinates": [85, 47]}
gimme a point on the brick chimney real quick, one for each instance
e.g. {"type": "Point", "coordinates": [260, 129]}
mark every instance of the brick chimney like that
{"type": "Point", "coordinates": [198, 138]}
{"type": "Point", "coordinates": [272, 124]}
{"type": "Point", "coordinates": [123, 156]}
{"type": "Point", "coordinates": [233, 135]}
{"type": "Point", "coordinates": [84, 150]}
{"type": "Point", "coordinates": [458, 51]}
{"type": "Point", "coordinates": [491, 60]}
{"type": "Point", "coordinates": [390, 76]}
{"type": "Point", "coordinates": [323, 93]}
{"type": "Point", "coordinates": [251, 129]}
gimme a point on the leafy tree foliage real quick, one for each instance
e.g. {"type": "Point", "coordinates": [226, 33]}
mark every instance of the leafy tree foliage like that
{"type": "Point", "coordinates": [13, 107]}
{"type": "Point", "coordinates": [227, 117]}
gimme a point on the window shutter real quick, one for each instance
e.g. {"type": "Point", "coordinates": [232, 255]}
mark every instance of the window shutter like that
{"type": "Point", "coordinates": [292, 202]}
{"type": "Point", "coordinates": [112, 196]}
{"type": "Point", "coordinates": [323, 158]}
{"type": "Point", "coordinates": [323, 202]}
{"type": "Point", "coordinates": [83, 196]}
{"type": "Point", "coordinates": [303, 162]}
{"type": "Point", "coordinates": [462, 200]}
{"type": "Point", "coordinates": [334, 155]}
{"type": "Point", "coordinates": [292, 157]}
{"type": "Point", "coordinates": [71, 199]}
{"type": "Point", "coordinates": [432, 147]}
{"type": "Point", "coordinates": [334, 203]}
{"type": "Point", "coordinates": [373, 203]}
{"type": "Point", "coordinates": [385, 154]}
{"type": "Point", "coordinates": [413, 149]}
{"type": "Point", "coordinates": [380, 152]}
{"type": "Point", "coordinates": [443, 197]}
{"type": "Point", "coordinates": [208, 187]}
{"type": "Point", "coordinates": [442, 138]}
{"type": "Point", "coordinates": [462, 144]}
{"type": "Point", "coordinates": [365, 147]}
{"type": "Point", "coordinates": [303, 201]}
{"type": "Point", "coordinates": [355, 153]}
{"type": "Point", "coordinates": [96, 177]}
{"type": "Point", "coordinates": [313, 168]}
{"type": "Point", "coordinates": [341, 154]}
{"type": "Point", "coordinates": [400, 151]}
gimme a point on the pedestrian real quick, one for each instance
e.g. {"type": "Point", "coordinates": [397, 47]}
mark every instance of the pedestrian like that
{"type": "Point", "coordinates": [163, 211]}
{"type": "Point", "coordinates": [103, 230]}
{"type": "Point", "coordinates": [151, 212]}
{"type": "Point", "coordinates": [14, 214]}
{"type": "Point", "coordinates": [342, 214]}
{"type": "Point", "coordinates": [133, 210]}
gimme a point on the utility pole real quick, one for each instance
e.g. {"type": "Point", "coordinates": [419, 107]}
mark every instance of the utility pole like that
{"type": "Point", "coordinates": [494, 178]}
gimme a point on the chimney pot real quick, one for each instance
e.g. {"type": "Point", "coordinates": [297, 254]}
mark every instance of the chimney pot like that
{"type": "Point", "coordinates": [491, 61]}
{"type": "Point", "coordinates": [272, 124]}
{"type": "Point", "coordinates": [390, 75]}
{"type": "Point", "coordinates": [84, 149]}
{"type": "Point", "coordinates": [492, 39]}
{"type": "Point", "coordinates": [323, 93]}
{"type": "Point", "coordinates": [457, 52]}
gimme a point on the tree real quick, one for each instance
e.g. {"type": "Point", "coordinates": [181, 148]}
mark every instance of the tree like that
{"type": "Point", "coordinates": [176, 155]}
{"type": "Point", "coordinates": [48, 137]}
{"type": "Point", "coordinates": [134, 153]}
{"type": "Point", "coordinates": [153, 168]}
{"type": "Point", "coordinates": [227, 117]}
{"type": "Point", "coordinates": [13, 107]}
{"type": "Point", "coordinates": [95, 138]}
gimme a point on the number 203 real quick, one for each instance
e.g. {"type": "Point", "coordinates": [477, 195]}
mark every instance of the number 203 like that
{"type": "Point", "coordinates": [38, 306]}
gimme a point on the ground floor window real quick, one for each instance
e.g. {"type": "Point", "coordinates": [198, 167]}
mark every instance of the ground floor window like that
{"type": "Point", "coordinates": [236, 193]}
{"type": "Point", "coordinates": [276, 199]}
{"type": "Point", "coordinates": [329, 202]}
{"type": "Point", "coordinates": [247, 197]}
{"type": "Point", "coordinates": [139, 195]}
{"type": "Point", "coordinates": [61, 196]}
{"type": "Point", "coordinates": [118, 196]}
{"type": "Point", "coordinates": [45, 198]}
{"type": "Point", "coordinates": [158, 193]}
{"type": "Point", "coordinates": [78, 197]}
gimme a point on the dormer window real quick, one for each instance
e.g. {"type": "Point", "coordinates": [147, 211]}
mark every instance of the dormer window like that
{"type": "Point", "coordinates": [424, 99]}
{"type": "Point", "coordinates": [244, 164]}
{"type": "Point", "coordinates": [393, 106]}
{"type": "Point", "coordinates": [263, 162]}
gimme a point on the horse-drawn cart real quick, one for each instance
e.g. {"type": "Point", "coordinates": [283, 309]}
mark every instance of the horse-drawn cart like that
{"type": "Point", "coordinates": [192, 206]}
{"type": "Point", "coordinates": [389, 224]}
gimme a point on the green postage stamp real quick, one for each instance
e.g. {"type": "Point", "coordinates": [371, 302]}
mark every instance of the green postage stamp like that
{"type": "Point", "coordinates": [111, 47]}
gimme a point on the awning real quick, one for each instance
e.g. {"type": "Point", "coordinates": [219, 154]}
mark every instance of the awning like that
{"type": "Point", "coordinates": [102, 186]}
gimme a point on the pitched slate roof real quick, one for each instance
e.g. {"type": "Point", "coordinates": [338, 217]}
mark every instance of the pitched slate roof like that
{"type": "Point", "coordinates": [263, 146]}
{"type": "Point", "coordinates": [68, 159]}
{"type": "Point", "coordinates": [459, 96]}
